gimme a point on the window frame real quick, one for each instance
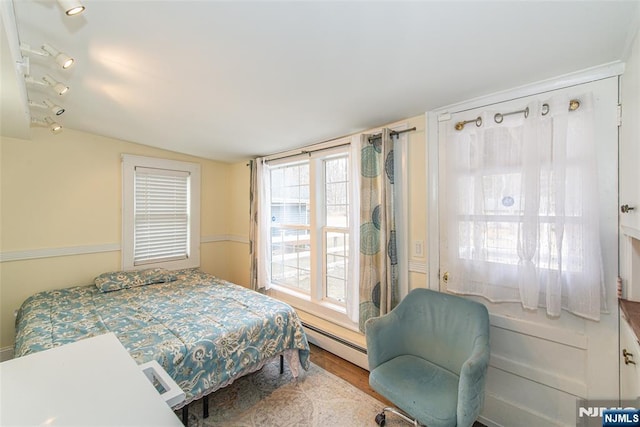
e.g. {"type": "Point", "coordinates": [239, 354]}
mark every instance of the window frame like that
{"type": "Point", "coordinates": [316, 302]}
{"type": "Point", "coordinates": [129, 164]}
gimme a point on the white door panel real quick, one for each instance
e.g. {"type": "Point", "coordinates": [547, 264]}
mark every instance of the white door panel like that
{"type": "Point", "coordinates": [552, 361]}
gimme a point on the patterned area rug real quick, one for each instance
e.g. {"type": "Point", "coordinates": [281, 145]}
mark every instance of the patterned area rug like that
{"type": "Point", "coordinates": [268, 399]}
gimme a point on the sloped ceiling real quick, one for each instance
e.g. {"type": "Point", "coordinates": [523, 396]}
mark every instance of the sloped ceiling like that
{"type": "Point", "coordinates": [234, 79]}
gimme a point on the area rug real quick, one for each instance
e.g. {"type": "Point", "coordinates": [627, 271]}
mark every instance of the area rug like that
{"type": "Point", "coordinates": [267, 399]}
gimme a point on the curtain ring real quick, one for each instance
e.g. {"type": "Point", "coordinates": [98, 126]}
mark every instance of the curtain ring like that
{"type": "Point", "coordinates": [498, 118]}
{"type": "Point", "coordinates": [545, 109]}
{"type": "Point", "coordinates": [526, 112]}
{"type": "Point", "coordinates": [479, 121]}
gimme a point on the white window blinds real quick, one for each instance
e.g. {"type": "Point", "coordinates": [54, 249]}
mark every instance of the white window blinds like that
{"type": "Point", "coordinates": [161, 215]}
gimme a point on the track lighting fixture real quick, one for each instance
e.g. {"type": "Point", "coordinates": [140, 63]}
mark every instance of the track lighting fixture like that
{"type": "Point", "coordinates": [53, 126]}
{"type": "Point", "coordinates": [58, 87]}
{"type": "Point", "coordinates": [48, 104]}
{"type": "Point", "coordinates": [71, 7]}
{"type": "Point", "coordinates": [64, 60]}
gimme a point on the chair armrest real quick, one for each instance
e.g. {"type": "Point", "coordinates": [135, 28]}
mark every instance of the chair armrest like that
{"type": "Point", "coordinates": [472, 382]}
{"type": "Point", "coordinates": [384, 339]}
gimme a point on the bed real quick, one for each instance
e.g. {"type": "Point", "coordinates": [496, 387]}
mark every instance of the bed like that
{"type": "Point", "coordinates": [204, 331]}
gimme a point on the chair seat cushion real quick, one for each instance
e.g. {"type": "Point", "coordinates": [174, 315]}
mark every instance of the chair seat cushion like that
{"type": "Point", "coordinates": [422, 389]}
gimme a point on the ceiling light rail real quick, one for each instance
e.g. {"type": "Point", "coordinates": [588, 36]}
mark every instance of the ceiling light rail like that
{"type": "Point", "coordinates": [574, 104]}
{"type": "Point", "coordinates": [61, 58]}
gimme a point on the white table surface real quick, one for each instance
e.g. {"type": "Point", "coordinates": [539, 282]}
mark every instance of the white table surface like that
{"type": "Point", "coordinates": [90, 382]}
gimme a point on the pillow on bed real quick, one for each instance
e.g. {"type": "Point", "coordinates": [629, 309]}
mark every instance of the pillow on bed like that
{"type": "Point", "coordinates": [116, 280]}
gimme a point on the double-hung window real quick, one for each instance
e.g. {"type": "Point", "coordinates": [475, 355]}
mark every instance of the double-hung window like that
{"type": "Point", "coordinates": [161, 213]}
{"type": "Point", "coordinates": [309, 201]}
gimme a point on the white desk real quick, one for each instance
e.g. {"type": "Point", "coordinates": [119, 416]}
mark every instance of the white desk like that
{"type": "Point", "coordinates": [90, 382]}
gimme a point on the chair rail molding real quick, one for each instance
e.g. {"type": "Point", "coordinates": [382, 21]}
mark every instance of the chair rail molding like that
{"type": "Point", "coordinates": [27, 254]}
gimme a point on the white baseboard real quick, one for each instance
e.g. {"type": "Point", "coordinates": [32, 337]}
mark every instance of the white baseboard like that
{"type": "Point", "coordinates": [6, 353]}
{"type": "Point", "coordinates": [347, 352]}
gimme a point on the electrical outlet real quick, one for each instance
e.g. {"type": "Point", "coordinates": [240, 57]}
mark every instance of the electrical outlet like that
{"type": "Point", "coordinates": [418, 248]}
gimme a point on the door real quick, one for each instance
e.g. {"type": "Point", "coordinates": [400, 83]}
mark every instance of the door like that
{"type": "Point", "coordinates": [541, 365]}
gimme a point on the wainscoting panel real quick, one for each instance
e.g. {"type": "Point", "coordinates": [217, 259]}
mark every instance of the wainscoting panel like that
{"type": "Point", "coordinates": [536, 374]}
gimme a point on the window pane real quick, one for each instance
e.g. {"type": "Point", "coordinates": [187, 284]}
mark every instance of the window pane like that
{"type": "Point", "coordinates": [290, 194]}
{"type": "Point", "coordinates": [336, 261]}
{"type": "Point", "coordinates": [336, 169]}
{"type": "Point", "coordinates": [337, 216]}
{"type": "Point", "coordinates": [337, 192]}
{"type": "Point", "coordinates": [291, 258]}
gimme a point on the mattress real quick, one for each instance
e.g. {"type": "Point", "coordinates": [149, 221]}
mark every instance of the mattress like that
{"type": "Point", "coordinates": [204, 331]}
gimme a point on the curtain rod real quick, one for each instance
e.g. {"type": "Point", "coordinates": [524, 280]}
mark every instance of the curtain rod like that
{"type": "Point", "coordinates": [308, 152]}
{"type": "Point", "coordinates": [393, 132]}
{"type": "Point", "coordinates": [574, 104]}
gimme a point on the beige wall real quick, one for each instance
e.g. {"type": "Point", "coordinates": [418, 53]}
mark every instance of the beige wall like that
{"type": "Point", "coordinates": [62, 191]}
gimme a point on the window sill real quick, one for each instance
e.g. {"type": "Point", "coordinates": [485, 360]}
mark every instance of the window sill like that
{"type": "Point", "coordinates": [324, 310]}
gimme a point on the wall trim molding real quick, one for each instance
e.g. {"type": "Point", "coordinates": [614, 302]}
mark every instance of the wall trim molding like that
{"type": "Point", "coordinates": [58, 252]}
{"type": "Point", "coordinates": [224, 238]}
{"type": "Point", "coordinates": [8, 256]}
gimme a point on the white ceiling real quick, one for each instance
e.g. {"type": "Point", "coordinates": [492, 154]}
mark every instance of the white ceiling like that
{"type": "Point", "coordinates": [234, 79]}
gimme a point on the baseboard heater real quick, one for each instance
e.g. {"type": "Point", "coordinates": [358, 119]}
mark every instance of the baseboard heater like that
{"type": "Point", "coordinates": [339, 346]}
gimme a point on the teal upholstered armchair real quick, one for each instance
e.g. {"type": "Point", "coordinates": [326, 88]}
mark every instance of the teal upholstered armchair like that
{"type": "Point", "coordinates": [429, 356]}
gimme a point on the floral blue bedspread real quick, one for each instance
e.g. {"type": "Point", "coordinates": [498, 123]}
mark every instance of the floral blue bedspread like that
{"type": "Point", "coordinates": [204, 331]}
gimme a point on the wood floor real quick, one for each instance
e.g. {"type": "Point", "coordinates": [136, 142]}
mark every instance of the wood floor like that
{"type": "Point", "coordinates": [349, 372]}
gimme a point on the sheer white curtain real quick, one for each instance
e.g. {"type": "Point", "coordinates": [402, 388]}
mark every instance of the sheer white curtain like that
{"type": "Point", "coordinates": [522, 209]}
{"type": "Point", "coordinates": [262, 249]}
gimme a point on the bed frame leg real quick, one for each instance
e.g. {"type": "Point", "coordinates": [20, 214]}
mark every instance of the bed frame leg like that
{"type": "Point", "coordinates": [185, 415]}
{"type": "Point", "coordinates": [205, 407]}
{"type": "Point", "coordinates": [281, 364]}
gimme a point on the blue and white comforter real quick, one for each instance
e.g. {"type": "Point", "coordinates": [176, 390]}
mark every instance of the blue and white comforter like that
{"type": "Point", "coordinates": [204, 331]}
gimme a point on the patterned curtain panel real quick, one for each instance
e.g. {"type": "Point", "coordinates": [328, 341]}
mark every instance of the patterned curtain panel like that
{"type": "Point", "coordinates": [253, 225]}
{"type": "Point", "coordinates": [378, 256]}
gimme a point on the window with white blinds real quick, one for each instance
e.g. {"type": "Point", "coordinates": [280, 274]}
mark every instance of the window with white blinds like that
{"type": "Point", "coordinates": [161, 213]}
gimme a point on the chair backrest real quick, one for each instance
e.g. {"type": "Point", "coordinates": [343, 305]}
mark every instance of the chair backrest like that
{"type": "Point", "coordinates": [443, 328]}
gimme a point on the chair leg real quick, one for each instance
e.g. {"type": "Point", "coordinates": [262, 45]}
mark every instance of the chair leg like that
{"type": "Point", "coordinates": [381, 417]}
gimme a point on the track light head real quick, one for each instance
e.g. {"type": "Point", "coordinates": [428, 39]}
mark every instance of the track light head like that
{"type": "Point", "coordinates": [64, 60]}
{"type": "Point", "coordinates": [53, 126]}
{"type": "Point", "coordinates": [71, 7]}
{"type": "Point", "coordinates": [58, 87]}
{"type": "Point", "coordinates": [55, 108]}
{"type": "Point", "coordinates": [50, 105]}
